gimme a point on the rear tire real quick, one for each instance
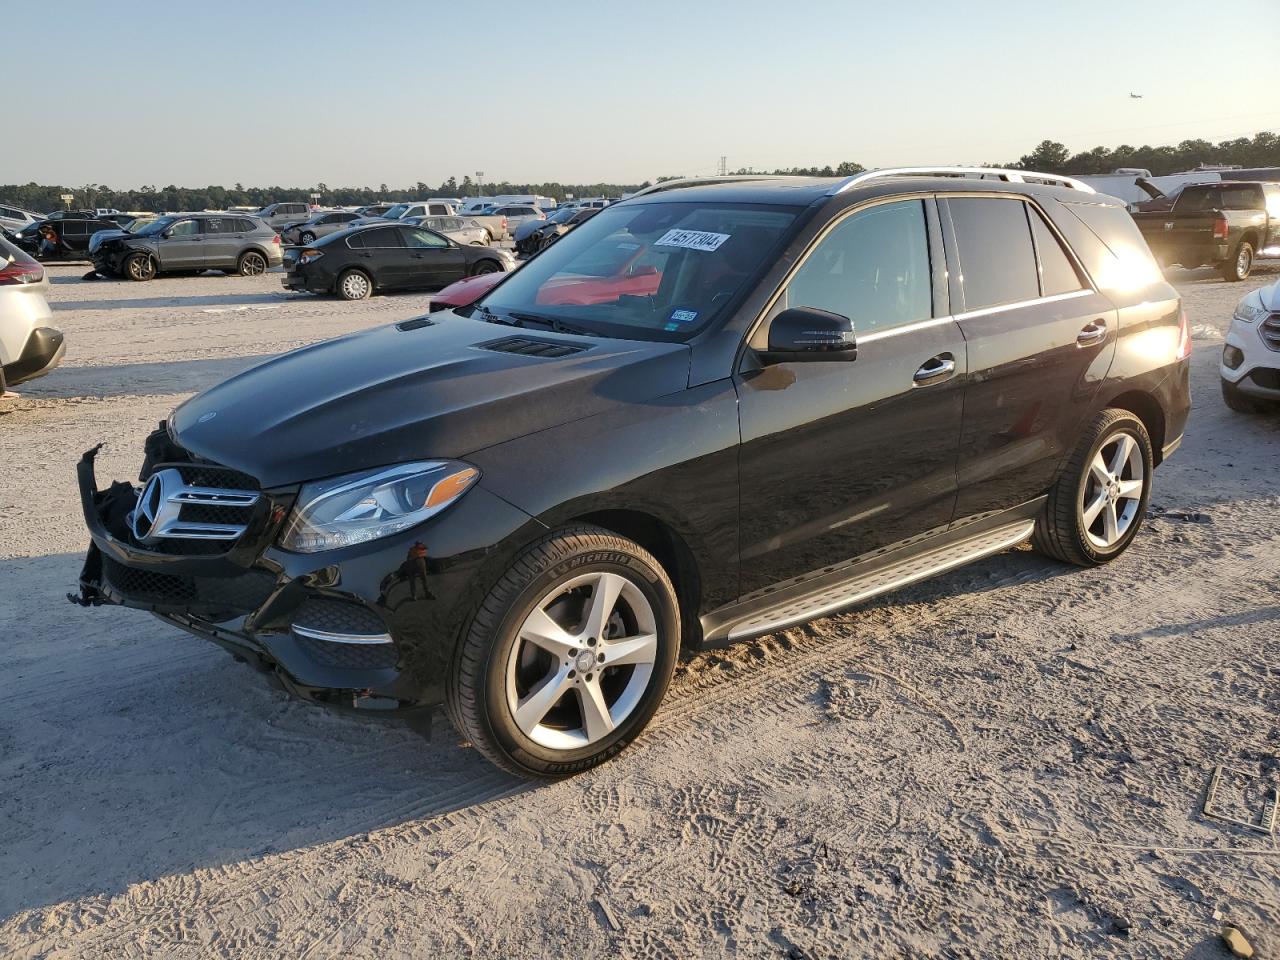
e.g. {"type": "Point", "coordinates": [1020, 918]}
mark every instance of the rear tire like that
{"type": "Point", "coordinates": [353, 285]}
{"type": "Point", "coordinates": [1240, 263]}
{"type": "Point", "coordinates": [485, 266]}
{"type": "Point", "coordinates": [1099, 500]}
{"type": "Point", "coordinates": [251, 264]}
{"type": "Point", "coordinates": [307, 238]}
{"type": "Point", "coordinates": [517, 687]}
{"type": "Point", "coordinates": [140, 267]}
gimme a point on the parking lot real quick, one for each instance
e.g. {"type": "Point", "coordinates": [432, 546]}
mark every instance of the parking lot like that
{"type": "Point", "coordinates": [1014, 754]}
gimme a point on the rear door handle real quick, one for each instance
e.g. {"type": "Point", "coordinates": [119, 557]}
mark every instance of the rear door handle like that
{"type": "Point", "coordinates": [935, 370]}
{"type": "Point", "coordinates": [1093, 332]}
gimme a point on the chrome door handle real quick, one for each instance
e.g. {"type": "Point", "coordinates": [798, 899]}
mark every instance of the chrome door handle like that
{"type": "Point", "coordinates": [1094, 332]}
{"type": "Point", "coordinates": [935, 370]}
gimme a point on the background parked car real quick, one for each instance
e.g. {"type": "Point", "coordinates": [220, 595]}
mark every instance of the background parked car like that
{"type": "Point", "coordinates": [1227, 225]}
{"type": "Point", "coordinates": [321, 225]}
{"type": "Point", "coordinates": [522, 233]}
{"type": "Point", "coordinates": [281, 215]}
{"type": "Point", "coordinates": [374, 209]}
{"type": "Point", "coordinates": [517, 214]}
{"type": "Point", "coordinates": [30, 346]}
{"type": "Point", "coordinates": [191, 242]}
{"type": "Point", "coordinates": [544, 234]}
{"type": "Point", "coordinates": [459, 229]}
{"type": "Point", "coordinates": [14, 219]}
{"type": "Point", "coordinates": [419, 208]}
{"type": "Point", "coordinates": [63, 239]}
{"type": "Point", "coordinates": [387, 257]}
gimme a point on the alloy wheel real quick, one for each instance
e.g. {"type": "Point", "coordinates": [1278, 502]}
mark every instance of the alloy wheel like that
{"type": "Point", "coordinates": [582, 661]}
{"type": "Point", "coordinates": [253, 264]}
{"type": "Point", "coordinates": [1113, 491]}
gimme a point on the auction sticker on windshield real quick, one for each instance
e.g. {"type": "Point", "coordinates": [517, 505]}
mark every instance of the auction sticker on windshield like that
{"type": "Point", "coordinates": [692, 240]}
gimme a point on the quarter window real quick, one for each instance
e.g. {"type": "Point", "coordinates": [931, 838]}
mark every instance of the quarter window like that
{"type": "Point", "coordinates": [872, 268]}
{"type": "Point", "coordinates": [1057, 272]}
{"type": "Point", "coordinates": [997, 260]}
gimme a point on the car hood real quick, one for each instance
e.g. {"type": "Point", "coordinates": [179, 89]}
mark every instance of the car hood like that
{"type": "Point", "coordinates": [528, 227]}
{"type": "Point", "coordinates": [1270, 297]}
{"type": "Point", "coordinates": [437, 389]}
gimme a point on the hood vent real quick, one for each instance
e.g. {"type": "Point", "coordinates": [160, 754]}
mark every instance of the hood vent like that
{"type": "Point", "coordinates": [415, 323]}
{"type": "Point", "coordinates": [529, 347]}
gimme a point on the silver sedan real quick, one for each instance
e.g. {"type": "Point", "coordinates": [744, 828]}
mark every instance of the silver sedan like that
{"type": "Point", "coordinates": [458, 229]}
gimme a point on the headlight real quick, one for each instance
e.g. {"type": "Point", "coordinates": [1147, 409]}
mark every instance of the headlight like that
{"type": "Point", "coordinates": [364, 506]}
{"type": "Point", "coordinates": [1249, 313]}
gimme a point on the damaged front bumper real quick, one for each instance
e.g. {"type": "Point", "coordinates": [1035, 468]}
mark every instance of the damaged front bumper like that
{"type": "Point", "coordinates": [286, 614]}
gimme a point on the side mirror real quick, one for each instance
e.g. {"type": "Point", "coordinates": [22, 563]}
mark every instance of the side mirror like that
{"type": "Point", "coordinates": [807, 333]}
{"type": "Point", "coordinates": [167, 234]}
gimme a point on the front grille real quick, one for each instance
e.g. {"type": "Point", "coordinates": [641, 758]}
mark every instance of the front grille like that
{"type": "Point", "coordinates": [194, 508]}
{"type": "Point", "coordinates": [224, 595]}
{"type": "Point", "coordinates": [1270, 330]}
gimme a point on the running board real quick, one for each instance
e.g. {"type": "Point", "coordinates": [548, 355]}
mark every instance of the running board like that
{"type": "Point", "coordinates": [862, 586]}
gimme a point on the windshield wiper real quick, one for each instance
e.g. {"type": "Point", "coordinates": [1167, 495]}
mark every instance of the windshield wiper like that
{"type": "Point", "coordinates": [552, 323]}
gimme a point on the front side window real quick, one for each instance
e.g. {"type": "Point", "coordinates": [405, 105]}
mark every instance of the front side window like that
{"type": "Point", "coordinates": [185, 228]}
{"type": "Point", "coordinates": [654, 271]}
{"type": "Point", "coordinates": [997, 260]}
{"type": "Point", "coordinates": [419, 239]}
{"type": "Point", "coordinates": [873, 268]}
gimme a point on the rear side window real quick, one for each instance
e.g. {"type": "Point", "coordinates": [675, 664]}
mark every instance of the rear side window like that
{"type": "Point", "coordinates": [1057, 272]}
{"type": "Point", "coordinates": [997, 261]}
{"type": "Point", "coordinates": [872, 267]}
{"type": "Point", "coordinates": [1241, 198]}
{"type": "Point", "coordinates": [382, 237]}
{"type": "Point", "coordinates": [438, 209]}
{"type": "Point", "coordinates": [1193, 201]}
{"type": "Point", "coordinates": [216, 225]}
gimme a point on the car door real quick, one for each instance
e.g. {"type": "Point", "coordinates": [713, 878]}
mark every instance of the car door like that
{"type": "Point", "coordinates": [434, 261]}
{"type": "Point", "coordinates": [182, 245]}
{"type": "Point", "coordinates": [1039, 337]}
{"type": "Point", "coordinates": [383, 253]}
{"type": "Point", "coordinates": [222, 242]}
{"type": "Point", "coordinates": [841, 458]}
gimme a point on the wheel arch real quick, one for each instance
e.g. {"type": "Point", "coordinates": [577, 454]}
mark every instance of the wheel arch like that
{"type": "Point", "coordinates": [1147, 409]}
{"type": "Point", "coordinates": [669, 548]}
{"type": "Point", "coordinates": [1250, 236]}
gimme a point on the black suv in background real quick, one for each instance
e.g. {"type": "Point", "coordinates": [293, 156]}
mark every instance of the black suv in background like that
{"type": "Point", "coordinates": [1226, 225]}
{"type": "Point", "coordinates": [714, 410]}
{"type": "Point", "coordinates": [64, 238]}
{"type": "Point", "coordinates": [191, 242]}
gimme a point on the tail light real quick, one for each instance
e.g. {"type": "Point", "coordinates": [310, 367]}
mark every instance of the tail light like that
{"type": "Point", "coordinates": [504, 223]}
{"type": "Point", "coordinates": [308, 255]}
{"type": "Point", "coordinates": [276, 239]}
{"type": "Point", "coordinates": [21, 271]}
{"type": "Point", "coordinates": [1220, 227]}
{"type": "Point", "coordinates": [1184, 337]}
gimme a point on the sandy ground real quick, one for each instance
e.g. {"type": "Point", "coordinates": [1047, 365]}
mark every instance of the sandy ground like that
{"type": "Point", "coordinates": [1007, 761]}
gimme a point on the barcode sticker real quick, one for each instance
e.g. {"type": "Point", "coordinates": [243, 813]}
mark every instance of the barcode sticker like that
{"type": "Point", "coordinates": [692, 240]}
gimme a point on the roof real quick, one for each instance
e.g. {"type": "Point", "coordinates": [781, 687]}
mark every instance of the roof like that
{"type": "Point", "coordinates": [804, 191]}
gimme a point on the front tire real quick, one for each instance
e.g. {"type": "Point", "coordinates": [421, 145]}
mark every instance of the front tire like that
{"type": "Point", "coordinates": [1240, 263]}
{"type": "Point", "coordinates": [485, 266]}
{"type": "Point", "coordinates": [140, 267]}
{"type": "Point", "coordinates": [569, 655]}
{"type": "Point", "coordinates": [1241, 402]}
{"type": "Point", "coordinates": [1097, 504]}
{"type": "Point", "coordinates": [307, 238]}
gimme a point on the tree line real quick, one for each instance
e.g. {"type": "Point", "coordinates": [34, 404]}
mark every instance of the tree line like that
{"type": "Point", "coordinates": [1050, 156]}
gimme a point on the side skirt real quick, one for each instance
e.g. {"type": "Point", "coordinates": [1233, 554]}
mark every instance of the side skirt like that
{"type": "Point", "coordinates": [869, 577]}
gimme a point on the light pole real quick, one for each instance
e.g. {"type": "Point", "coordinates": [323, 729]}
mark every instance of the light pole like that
{"type": "Point", "coordinates": [480, 181]}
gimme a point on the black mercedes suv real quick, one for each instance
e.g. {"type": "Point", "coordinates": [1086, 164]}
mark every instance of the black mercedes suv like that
{"type": "Point", "coordinates": [715, 410]}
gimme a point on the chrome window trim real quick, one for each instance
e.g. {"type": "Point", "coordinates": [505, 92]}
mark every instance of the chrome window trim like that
{"type": "Point", "coordinates": [1019, 304]}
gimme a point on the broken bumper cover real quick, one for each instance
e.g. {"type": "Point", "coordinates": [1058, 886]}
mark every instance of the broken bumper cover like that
{"type": "Point", "coordinates": [368, 628]}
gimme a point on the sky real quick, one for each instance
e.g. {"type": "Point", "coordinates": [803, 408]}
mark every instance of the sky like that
{"type": "Point", "coordinates": [195, 93]}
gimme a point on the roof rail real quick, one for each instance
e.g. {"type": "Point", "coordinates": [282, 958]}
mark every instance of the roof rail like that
{"type": "Point", "coordinates": [702, 182]}
{"type": "Point", "coordinates": [1011, 176]}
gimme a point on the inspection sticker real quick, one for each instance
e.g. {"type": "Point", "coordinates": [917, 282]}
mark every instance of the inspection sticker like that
{"type": "Point", "coordinates": [684, 316]}
{"type": "Point", "coordinates": [692, 240]}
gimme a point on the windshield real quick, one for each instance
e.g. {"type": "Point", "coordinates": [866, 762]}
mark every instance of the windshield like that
{"type": "Point", "coordinates": [157, 226]}
{"type": "Point", "coordinates": [396, 212]}
{"type": "Point", "coordinates": [653, 271]}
